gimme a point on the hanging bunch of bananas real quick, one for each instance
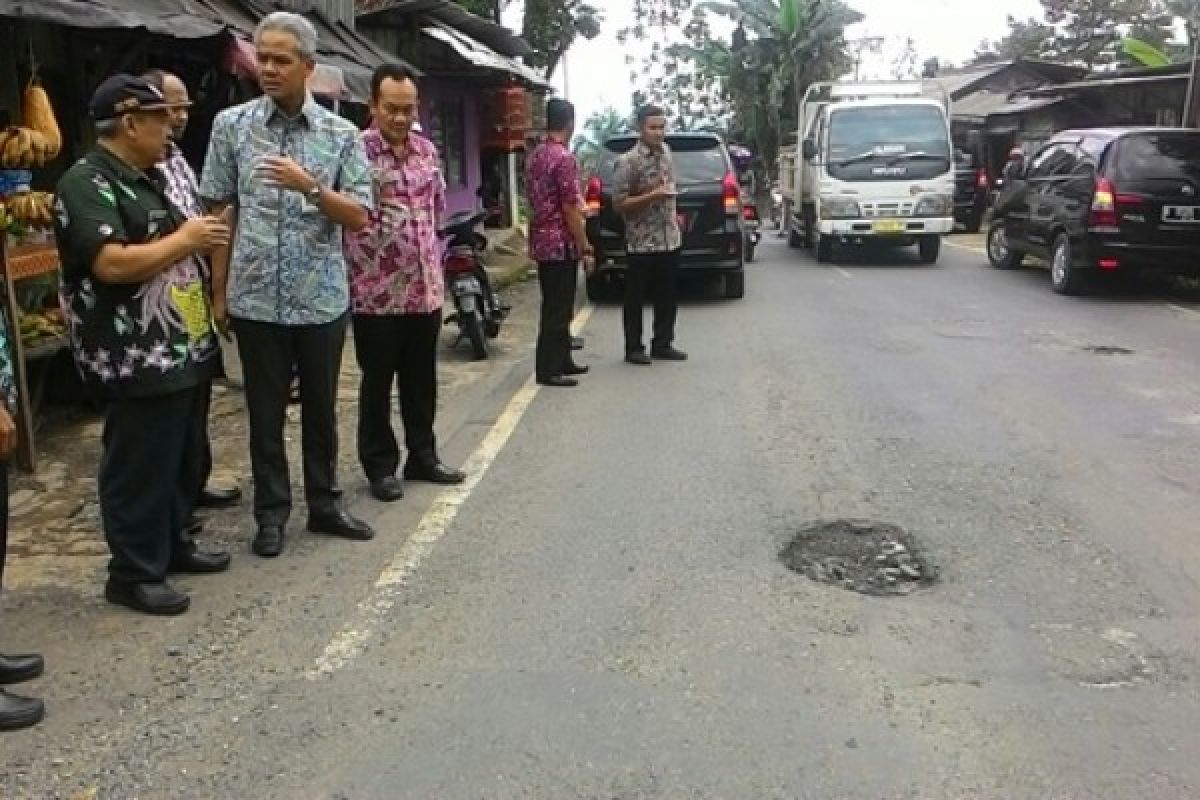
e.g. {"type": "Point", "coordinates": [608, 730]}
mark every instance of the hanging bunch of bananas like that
{"type": "Point", "coordinates": [24, 148]}
{"type": "Point", "coordinates": [34, 209]}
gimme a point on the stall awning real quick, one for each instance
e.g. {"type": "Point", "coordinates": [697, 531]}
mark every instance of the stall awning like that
{"type": "Point", "coordinates": [339, 48]}
{"type": "Point", "coordinates": [480, 55]}
{"type": "Point", "coordinates": [179, 18]}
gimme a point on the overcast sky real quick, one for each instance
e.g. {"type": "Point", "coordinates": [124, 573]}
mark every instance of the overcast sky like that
{"type": "Point", "coordinates": [948, 29]}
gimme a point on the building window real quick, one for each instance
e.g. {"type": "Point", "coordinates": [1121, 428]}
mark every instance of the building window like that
{"type": "Point", "coordinates": [447, 130]}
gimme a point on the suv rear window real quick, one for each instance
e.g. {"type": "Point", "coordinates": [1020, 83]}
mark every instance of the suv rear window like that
{"type": "Point", "coordinates": [697, 160]}
{"type": "Point", "coordinates": [1158, 155]}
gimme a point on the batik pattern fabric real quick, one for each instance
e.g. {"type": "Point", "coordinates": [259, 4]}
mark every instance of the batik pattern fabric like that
{"type": "Point", "coordinates": [288, 265]}
{"type": "Point", "coordinates": [396, 261]}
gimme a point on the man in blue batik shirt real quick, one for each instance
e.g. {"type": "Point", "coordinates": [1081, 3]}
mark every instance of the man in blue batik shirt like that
{"type": "Point", "coordinates": [298, 176]}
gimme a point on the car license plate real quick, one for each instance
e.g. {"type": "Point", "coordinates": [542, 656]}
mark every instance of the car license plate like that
{"type": "Point", "coordinates": [1181, 214]}
{"type": "Point", "coordinates": [889, 226]}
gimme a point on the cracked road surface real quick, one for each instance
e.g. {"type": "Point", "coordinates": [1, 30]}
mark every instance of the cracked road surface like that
{"type": "Point", "coordinates": [604, 613]}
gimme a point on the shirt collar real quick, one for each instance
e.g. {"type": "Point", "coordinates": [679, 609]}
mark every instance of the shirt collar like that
{"type": "Point", "coordinates": [647, 150]}
{"type": "Point", "coordinates": [308, 111]}
{"type": "Point", "coordinates": [417, 144]}
{"type": "Point", "coordinates": [125, 172]}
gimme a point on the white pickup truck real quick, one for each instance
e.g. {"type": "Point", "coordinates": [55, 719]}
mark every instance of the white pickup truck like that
{"type": "Point", "coordinates": [876, 164]}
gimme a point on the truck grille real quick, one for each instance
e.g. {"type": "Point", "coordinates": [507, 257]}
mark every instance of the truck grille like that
{"type": "Point", "coordinates": [893, 210]}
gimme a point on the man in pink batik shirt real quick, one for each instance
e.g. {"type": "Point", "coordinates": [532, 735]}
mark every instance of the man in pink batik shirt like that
{"type": "Point", "coordinates": [396, 291]}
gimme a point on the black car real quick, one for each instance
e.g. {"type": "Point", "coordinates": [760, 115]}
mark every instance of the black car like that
{"type": "Point", "coordinates": [1104, 201]}
{"type": "Point", "coordinates": [971, 187]}
{"type": "Point", "coordinates": [709, 207]}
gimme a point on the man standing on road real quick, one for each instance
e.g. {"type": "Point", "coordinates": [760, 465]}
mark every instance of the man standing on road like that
{"type": "Point", "coordinates": [298, 176]}
{"type": "Point", "coordinates": [16, 711]}
{"type": "Point", "coordinates": [141, 333]}
{"type": "Point", "coordinates": [183, 191]}
{"type": "Point", "coordinates": [397, 289]}
{"type": "Point", "coordinates": [557, 240]}
{"type": "Point", "coordinates": [644, 194]}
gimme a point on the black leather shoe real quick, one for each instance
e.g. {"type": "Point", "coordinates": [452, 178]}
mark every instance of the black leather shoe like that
{"type": "Point", "coordinates": [18, 712]}
{"type": "Point", "coordinates": [194, 526]}
{"type": "Point", "coordinates": [576, 342]}
{"type": "Point", "coordinates": [268, 542]}
{"type": "Point", "coordinates": [219, 498]}
{"type": "Point", "coordinates": [639, 358]}
{"type": "Point", "coordinates": [200, 563]}
{"type": "Point", "coordinates": [149, 598]}
{"type": "Point", "coordinates": [576, 369]}
{"type": "Point", "coordinates": [340, 523]}
{"type": "Point", "coordinates": [387, 490]}
{"type": "Point", "coordinates": [668, 354]}
{"type": "Point", "coordinates": [559, 382]}
{"type": "Point", "coordinates": [437, 472]}
{"type": "Point", "coordinates": [16, 669]}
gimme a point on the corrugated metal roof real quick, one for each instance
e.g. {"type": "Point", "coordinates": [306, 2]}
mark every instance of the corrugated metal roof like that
{"type": "Point", "coordinates": [481, 55]}
{"type": "Point", "coordinates": [178, 18]}
{"type": "Point", "coordinates": [982, 105]}
{"type": "Point", "coordinates": [497, 37]}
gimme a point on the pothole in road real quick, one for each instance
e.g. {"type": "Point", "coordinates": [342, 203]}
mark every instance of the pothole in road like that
{"type": "Point", "coordinates": [872, 558]}
{"type": "Point", "coordinates": [1107, 350]}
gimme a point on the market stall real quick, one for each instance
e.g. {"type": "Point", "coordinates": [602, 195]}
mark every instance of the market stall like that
{"type": "Point", "coordinates": [28, 257]}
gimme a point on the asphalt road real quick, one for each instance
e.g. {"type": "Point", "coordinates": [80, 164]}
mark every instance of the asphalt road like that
{"type": "Point", "coordinates": [603, 613]}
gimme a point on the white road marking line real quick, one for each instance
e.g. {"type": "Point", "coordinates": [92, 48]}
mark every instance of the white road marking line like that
{"type": "Point", "coordinates": [352, 640]}
{"type": "Point", "coordinates": [1191, 312]}
{"type": "Point", "coordinates": [842, 272]}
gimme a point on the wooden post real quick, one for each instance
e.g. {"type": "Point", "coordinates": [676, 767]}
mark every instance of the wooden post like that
{"type": "Point", "coordinates": [26, 457]}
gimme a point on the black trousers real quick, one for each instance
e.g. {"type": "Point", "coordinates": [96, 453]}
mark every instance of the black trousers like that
{"type": "Point", "coordinates": [558, 281]}
{"type": "Point", "coordinates": [268, 353]}
{"type": "Point", "coordinates": [400, 350]}
{"type": "Point", "coordinates": [201, 445]}
{"type": "Point", "coordinates": [657, 272]}
{"type": "Point", "coordinates": [146, 483]}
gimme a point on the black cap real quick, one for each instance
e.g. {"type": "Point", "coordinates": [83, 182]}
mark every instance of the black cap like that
{"type": "Point", "coordinates": [126, 94]}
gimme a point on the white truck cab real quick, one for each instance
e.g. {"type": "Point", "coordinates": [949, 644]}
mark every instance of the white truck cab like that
{"type": "Point", "coordinates": [876, 165]}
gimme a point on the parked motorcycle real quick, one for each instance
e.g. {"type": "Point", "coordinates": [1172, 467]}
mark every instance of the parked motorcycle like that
{"type": "Point", "coordinates": [478, 311]}
{"type": "Point", "coordinates": [751, 228]}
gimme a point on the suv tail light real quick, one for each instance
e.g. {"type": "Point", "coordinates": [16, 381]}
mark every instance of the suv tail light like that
{"type": "Point", "coordinates": [749, 213]}
{"type": "Point", "coordinates": [1107, 203]}
{"type": "Point", "coordinates": [731, 192]}
{"type": "Point", "coordinates": [593, 196]}
{"type": "Point", "coordinates": [982, 181]}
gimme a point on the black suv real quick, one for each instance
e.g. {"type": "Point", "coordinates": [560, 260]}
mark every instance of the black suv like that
{"type": "Point", "coordinates": [971, 187]}
{"type": "Point", "coordinates": [1104, 201]}
{"type": "Point", "coordinates": [709, 206]}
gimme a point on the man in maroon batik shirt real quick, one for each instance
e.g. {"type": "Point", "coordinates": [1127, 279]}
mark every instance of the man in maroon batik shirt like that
{"type": "Point", "coordinates": [397, 289]}
{"type": "Point", "coordinates": [557, 241]}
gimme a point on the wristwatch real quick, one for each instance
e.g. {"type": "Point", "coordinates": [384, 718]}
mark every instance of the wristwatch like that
{"type": "Point", "coordinates": [313, 195]}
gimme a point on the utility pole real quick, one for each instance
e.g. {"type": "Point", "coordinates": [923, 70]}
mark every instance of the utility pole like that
{"type": "Point", "coordinates": [1189, 103]}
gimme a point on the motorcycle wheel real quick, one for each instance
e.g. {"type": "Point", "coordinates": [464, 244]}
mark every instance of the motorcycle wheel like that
{"type": "Point", "coordinates": [472, 325]}
{"type": "Point", "coordinates": [749, 251]}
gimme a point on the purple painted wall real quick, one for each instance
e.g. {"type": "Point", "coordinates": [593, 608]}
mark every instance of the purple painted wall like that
{"type": "Point", "coordinates": [461, 197]}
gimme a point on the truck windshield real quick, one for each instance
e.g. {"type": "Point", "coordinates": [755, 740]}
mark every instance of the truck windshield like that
{"type": "Point", "coordinates": [888, 143]}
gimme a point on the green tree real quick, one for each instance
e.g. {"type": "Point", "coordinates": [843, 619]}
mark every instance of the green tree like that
{"type": "Point", "coordinates": [1029, 38]}
{"type": "Point", "coordinates": [599, 127]}
{"type": "Point", "coordinates": [552, 26]}
{"type": "Point", "coordinates": [748, 85]}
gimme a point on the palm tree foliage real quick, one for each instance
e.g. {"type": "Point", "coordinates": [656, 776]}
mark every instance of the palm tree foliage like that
{"type": "Point", "coordinates": [750, 83]}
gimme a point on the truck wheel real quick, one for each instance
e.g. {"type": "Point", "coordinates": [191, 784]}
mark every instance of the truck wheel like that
{"type": "Point", "coordinates": [824, 250]}
{"type": "Point", "coordinates": [735, 285]}
{"type": "Point", "coordinates": [929, 248]}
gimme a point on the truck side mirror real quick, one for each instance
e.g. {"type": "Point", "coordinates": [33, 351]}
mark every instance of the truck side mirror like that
{"type": "Point", "coordinates": [810, 149]}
